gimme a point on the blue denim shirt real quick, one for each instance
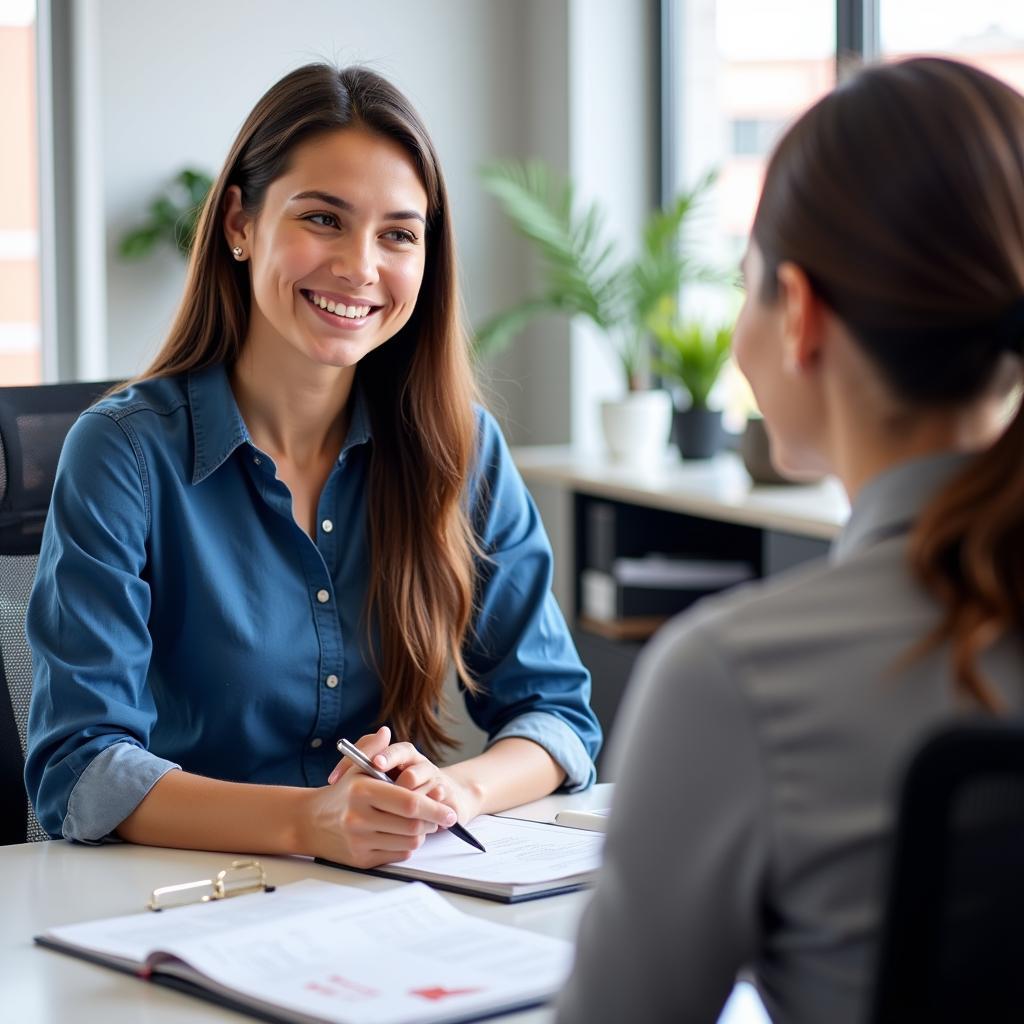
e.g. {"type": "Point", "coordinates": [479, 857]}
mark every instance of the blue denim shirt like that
{"type": "Point", "coordinates": [182, 618]}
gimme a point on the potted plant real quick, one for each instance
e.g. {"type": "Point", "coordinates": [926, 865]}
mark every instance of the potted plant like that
{"type": "Point", "coordinates": [694, 355]}
{"type": "Point", "coordinates": [173, 216]}
{"type": "Point", "coordinates": [584, 275]}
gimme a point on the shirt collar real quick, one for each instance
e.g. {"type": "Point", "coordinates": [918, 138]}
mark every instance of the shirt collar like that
{"type": "Point", "coordinates": [888, 504]}
{"type": "Point", "coordinates": [219, 429]}
{"type": "Point", "coordinates": [217, 425]}
{"type": "Point", "coordinates": [359, 430]}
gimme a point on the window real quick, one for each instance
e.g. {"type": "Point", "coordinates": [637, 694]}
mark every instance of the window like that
{"type": "Point", "coordinates": [739, 73]}
{"type": "Point", "coordinates": [986, 33]}
{"type": "Point", "coordinates": [20, 344]}
{"type": "Point", "coordinates": [755, 137]}
{"type": "Point", "coordinates": [736, 73]}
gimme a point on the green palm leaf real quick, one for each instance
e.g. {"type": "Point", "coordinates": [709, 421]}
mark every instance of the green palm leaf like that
{"type": "Point", "coordinates": [495, 335]}
{"type": "Point", "coordinates": [575, 256]}
{"type": "Point", "coordinates": [582, 270]}
{"type": "Point", "coordinates": [691, 353]}
{"type": "Point", "coordinates": [173, 216]}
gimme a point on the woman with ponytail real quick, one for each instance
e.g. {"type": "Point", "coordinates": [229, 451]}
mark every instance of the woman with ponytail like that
{"type": "Point", "coordinates": [295, 523]}
{"type": "Point", "coordinates": [766, 733]}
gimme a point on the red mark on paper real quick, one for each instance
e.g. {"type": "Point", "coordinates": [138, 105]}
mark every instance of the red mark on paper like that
{"type": "Point", "coordinates": [353, 986]}
{"type": "Point", "coordinates": [335, 986]}
{"type": "Point", "coordinates": [439, 992]}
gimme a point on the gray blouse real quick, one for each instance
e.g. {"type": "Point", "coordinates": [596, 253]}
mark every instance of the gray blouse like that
{"type": "Point", "coordinates": [757, 759]}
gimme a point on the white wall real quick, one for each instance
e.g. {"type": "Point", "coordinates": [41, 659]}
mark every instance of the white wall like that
{"type": "Point", "coordinates": [176, 81]}
{"type": "Point", "coordinates": [159, 86]}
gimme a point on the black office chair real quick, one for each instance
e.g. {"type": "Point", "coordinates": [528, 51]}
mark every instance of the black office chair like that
{"type": "Point", "coordinates": [952, 945]}
{"type": "Point", "coordinates": [33, 424]}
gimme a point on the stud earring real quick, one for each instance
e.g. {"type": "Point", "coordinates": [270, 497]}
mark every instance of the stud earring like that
{"type": "Point", "coordinates": [237, 252]}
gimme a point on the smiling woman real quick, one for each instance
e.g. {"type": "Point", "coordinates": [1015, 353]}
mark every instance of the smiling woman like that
{"type": "Point", "coordinates": [339, 236]}
{"type": "Point", "coordinates": [295, 523]}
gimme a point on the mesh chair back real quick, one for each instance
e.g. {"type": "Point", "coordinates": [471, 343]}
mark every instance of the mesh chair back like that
{"type": "Point", "coordinates": [33, 424]}
{"type": "Point", "coordinates": [953, 938]}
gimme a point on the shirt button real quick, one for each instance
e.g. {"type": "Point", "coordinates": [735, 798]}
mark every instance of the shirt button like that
{"type": "Point", "coordinates": [257, 460]}
{"type": "Point", "coordinates": [323, 596]}
{"type": "Point", "coordinates": [331, 681]}
{"type": "Point", "coordinates": [316, 743]}
{"type": "Point", "coordinates": [327, 526]}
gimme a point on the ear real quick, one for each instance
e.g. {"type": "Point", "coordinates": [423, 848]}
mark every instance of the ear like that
{"type": "Point", "coordinates": [802, 318]}
{"type": "Point", "coordinates": [238, 228]}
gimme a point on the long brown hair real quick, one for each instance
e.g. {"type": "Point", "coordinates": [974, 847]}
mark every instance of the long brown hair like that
{"type": "Point", "coordinates": [419, 389]}
{"type": "Point", "coordinates": [901, 196]}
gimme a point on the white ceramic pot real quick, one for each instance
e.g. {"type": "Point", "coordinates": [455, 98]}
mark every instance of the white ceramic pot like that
{"type": "Point", "coordinates": [636, 427]}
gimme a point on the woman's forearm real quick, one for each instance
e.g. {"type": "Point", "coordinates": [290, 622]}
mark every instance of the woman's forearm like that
{"type": "Point", "coordinates": [191, 812]}
{"type": "Point", "coordinates": [512, 772]}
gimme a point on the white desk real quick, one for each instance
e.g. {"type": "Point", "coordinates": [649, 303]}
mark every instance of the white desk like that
{"type": "Point", "coordinates": [46, 884]}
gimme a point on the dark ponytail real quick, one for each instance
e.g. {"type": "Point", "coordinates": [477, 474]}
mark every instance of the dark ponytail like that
{"type": "Point", "coordinates": [901, 196]}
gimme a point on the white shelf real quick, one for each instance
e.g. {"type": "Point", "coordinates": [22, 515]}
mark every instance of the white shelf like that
{"type": "Point", "coordinates": [718, 488]}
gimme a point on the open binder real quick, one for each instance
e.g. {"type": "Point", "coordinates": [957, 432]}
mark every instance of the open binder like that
{"type": "Point", "coordinates": [313, 951]}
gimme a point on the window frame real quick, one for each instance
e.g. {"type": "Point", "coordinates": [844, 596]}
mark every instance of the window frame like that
{"type": "Point", "coordinates": [57, 235]}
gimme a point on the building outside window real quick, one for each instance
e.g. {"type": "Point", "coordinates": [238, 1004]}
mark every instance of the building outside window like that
{"type": "Point", "coordinates": [20, 337]}
{"type": "Point", "coordinates": [986, 33]}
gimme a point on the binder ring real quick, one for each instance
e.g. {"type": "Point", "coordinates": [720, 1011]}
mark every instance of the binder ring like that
{"type": "Point", "coordinates": [242, 876]}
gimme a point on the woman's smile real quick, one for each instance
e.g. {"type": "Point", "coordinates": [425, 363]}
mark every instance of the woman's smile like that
{"type": "Point", "coordinates": [340, 312]}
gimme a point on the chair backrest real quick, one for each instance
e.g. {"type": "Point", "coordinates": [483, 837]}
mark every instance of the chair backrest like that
{"type": "Point", "coordinates": [33, 424]}
{"type": "Point", "coordinates": [953, 935]}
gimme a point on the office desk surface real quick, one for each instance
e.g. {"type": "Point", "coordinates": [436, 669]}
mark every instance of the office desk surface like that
{"type": "Point", "coordinates": [718, 488]}
{"type": "Point", "coordinates": [46, 884]}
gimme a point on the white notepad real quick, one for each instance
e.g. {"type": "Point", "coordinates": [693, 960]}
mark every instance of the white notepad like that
{"type": "Point", "coordinates": [524, 860]}
{"type": "Point", "coordinates": [313, 951]}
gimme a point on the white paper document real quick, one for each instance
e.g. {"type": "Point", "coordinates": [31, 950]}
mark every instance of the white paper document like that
{"type": "Point", "coordinates": [522, 858]}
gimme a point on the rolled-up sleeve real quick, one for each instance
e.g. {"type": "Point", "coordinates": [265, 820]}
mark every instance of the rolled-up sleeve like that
{"type": "Point", "coordinates": [87, 627]}
{"type": "Point", "coordinates": [111, 787]}
{"type": "Point", "coordinates": [532, 682]}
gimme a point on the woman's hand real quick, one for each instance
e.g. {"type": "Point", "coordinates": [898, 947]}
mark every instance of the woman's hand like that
{"type": "Point", "coordinates": [361, 821]}
{"type": "Point", "coordinates": [416, 772]}
{"type": "Point", "coordinates": [365, 822]}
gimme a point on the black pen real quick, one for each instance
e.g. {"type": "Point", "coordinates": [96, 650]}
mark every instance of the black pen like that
{"type": "Point", "coordinates": [364, 764]}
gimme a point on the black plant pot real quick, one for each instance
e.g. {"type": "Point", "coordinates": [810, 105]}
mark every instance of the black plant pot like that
{"type": "Point", "coordinates": [698, 432]}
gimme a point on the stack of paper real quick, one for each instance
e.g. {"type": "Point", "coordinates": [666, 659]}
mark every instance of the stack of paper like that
{"type": "Point", "coordinates": [524, 860]}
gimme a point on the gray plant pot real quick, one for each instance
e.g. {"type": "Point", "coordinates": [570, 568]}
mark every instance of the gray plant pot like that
{"type": "Point", "coordinates": [698, 432]}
